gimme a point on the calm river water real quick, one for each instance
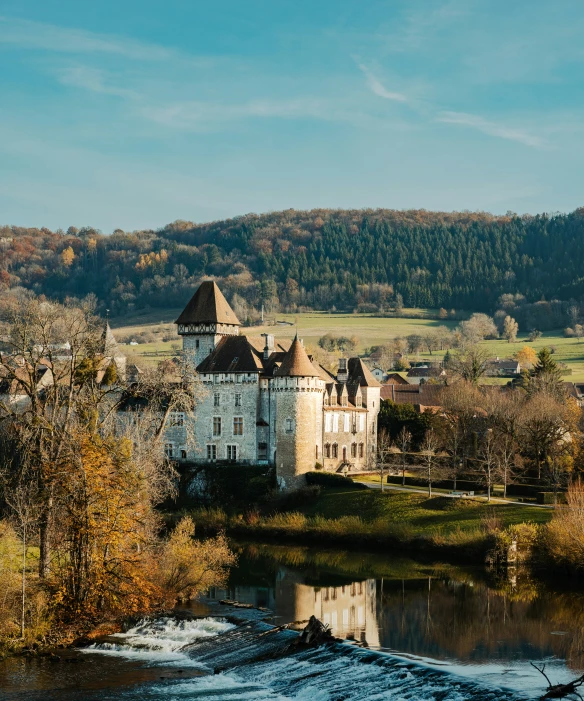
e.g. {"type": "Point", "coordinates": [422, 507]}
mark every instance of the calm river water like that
{"type": "Point", "coordinates": [424, 631]}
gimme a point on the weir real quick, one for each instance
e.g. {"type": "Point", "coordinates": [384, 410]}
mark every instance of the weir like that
{"type": "Point", "coordinates": [241, 658]}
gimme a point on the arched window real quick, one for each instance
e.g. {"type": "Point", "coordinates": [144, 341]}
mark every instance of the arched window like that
{"type": "Point", "coordinates": [335, 450]}
{"type": "Point", "coordinates": [316, 452]}
{"type": "Point", "coordinates": [361, 450]}
{"type": "Point", "coordinates": [327, 450]}
{"type": "Point", "coordinates": [353, 450]}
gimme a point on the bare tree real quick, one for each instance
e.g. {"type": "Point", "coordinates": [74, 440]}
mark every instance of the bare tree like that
{"type": "Point", "coordinates": [403, 442]}
{"type": "Point", "coordinates": [21, 496]}
{"type": "Point", "coordinates": [428, 452]}
{"type": "Point", "coordinates": [488, 463]}
{"type": "Point", "coordinates": [471, 363]}
{"type": "Point", "coordinates": [383, 455]}
{"type": "Point", "coordinates": [510, 328]}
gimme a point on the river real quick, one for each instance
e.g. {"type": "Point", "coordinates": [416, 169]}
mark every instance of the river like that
{"type": "Point", "coordinates": [414, 630]}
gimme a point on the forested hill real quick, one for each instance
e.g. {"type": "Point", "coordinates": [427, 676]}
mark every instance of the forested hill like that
{"type": "Point", "coordinates": [323, 259]}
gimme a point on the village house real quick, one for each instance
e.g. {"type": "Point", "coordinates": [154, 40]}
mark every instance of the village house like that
{"type": "Point", "coordinates": [503, 367]}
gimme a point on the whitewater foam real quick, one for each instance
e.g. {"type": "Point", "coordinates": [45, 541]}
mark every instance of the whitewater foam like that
{"type": "Point", "coordinates": [160, 640]}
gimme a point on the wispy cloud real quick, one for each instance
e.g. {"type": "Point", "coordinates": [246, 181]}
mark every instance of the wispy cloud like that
{"type": "Point", "coordinates": [48, 37]}
{"type": "Point", "coordinates": [491, 128]}
{"type": "Point", "coordinates": [94, 80]}
{"type": "Point", "coordinates": [204, 115]}
{"type": "Point", "coordinates": [377, 87]}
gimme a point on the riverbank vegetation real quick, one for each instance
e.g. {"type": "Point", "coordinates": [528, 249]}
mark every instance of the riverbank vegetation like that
{"type": "Point", "coordinates": [80, 484]}
{"type": "Point", "coordinates": [353, 516]}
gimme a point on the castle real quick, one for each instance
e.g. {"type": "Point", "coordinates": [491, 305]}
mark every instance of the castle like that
{"type": "Point", "coordinates": [268, 401]}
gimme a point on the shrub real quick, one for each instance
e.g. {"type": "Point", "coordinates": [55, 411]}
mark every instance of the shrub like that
{"type": "Point", "coordinates": [330, 479]}
{"type": "Point", "coordinates": [564, 535]}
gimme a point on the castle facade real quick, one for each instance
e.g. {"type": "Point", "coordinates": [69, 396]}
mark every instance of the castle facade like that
{"type": "Point", "coordinates": [268, 401]}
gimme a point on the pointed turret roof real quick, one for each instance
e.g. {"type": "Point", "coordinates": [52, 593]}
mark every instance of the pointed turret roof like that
{"type": "Point", "coordinates": [109, 346]}
{"type": "Point", "coordinates": [208, 305]}
{"type": "Point", "coordinates": [296, 362]}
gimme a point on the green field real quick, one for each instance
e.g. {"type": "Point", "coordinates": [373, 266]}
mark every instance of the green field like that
{"type": "Point", "coordinates": [370, 331]}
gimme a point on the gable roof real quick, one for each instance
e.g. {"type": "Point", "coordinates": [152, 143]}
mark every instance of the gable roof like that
{"type": "Point", "coordinates": [232, 354]}
{"type": "Point", "coordinates": [296, 362]}
{"type": "Point", "coordinates": [360, 374]}
{"type": "Point", "coordinates": [208, 305]}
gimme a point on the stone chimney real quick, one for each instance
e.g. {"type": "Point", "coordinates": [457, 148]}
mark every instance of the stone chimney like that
{"type": "Point", "coordinates": [343, 372]}
{"type": "Point", "coordinates": [269, 347]}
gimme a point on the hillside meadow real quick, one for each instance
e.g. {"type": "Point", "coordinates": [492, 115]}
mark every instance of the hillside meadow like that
{"type": "Point", "coordinates": [369, 329]}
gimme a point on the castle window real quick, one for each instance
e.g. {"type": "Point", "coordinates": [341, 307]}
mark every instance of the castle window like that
{"type": "Point", "coordinates": [358, 400]}
{"type": "Point", "coordinates": [328, 421]}
{"type": "Point", "coordinates": [238, 399]}
{"type": "Point", "coordinates": [334, 398]}
{"type": "Point", "coordinates": [176, 418]}
{"type": "Point", "coordinates": [289, 425]}
{"type": "Point", "coordinates": [346, 420]}
{"type": "Point", "coordinates": [197, 344]}
{"type": "Point", "coordinates": [361, 422]}
{"type": "Point", "coordinates": [238, 426]}
{"type": "Point", "coordinates": [183, 454]}
{"type": "Point", "coordinates": [335, 450]}
{"type": "Point", "coordinates": [211, 452]}
{"type": "Point", "coordinates": [353, 450]}
{"type": "Point", "coordinates": [238, 378]}
{"type": "Point", "coordinates": [326, 400]}
{"type": "Point", "coordinates": [344, 401]}
{"type": "Point", "coordinates": [361, 450]}
{"type": "Point", "coordinates": [232, 452]}
{"type": "Point", "coordinates": [169, 450]}
{"type": "Point", "coordinates": [216, 425]}
{"type": "Point", "coordinates": [335, 422]}
{"type": "Point", "coordinates": [262, 451]}
{"type": "Point", "coordinates": [316, 452]}
{"type": "Point", "coordinates": [216, 399]}
{"type": "Point", "coordinates": [327, 450]}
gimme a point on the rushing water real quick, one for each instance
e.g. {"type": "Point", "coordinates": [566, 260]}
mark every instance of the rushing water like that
{"type": "Point", "coordinates": [416, 631]}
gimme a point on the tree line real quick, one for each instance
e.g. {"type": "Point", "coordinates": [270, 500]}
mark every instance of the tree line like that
{"type": "Point", "coordinates": [364, 260]}
{"type": "Point", "coordinates": [79, 484]}
{"type": "Point", "coordinates": [529, 434]}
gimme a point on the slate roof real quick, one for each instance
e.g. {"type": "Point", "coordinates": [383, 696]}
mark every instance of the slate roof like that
{"type": "Point", "coordinates": [233, 354]}
{"type": "Point", "coordinates": [208, 305]}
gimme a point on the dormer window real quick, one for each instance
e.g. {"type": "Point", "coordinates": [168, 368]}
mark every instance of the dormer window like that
{"type": "Point", "coordinates": [344, 400]}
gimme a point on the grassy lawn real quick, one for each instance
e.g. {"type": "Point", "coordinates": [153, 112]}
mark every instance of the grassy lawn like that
{"type": "Point", "coordinates": [423, 515]}
{"type": "Point", "coordinates": [370, 331]}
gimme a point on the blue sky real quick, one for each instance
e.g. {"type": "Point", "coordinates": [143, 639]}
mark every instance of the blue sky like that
{"type": "Point", "coordinates": [134, 113]}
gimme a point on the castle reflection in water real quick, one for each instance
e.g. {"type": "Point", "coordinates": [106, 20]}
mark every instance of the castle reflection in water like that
{"type": "Point", "coordinates": [349, 609]}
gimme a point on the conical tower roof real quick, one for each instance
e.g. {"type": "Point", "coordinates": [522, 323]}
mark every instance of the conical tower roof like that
{"type": "Point", "coordinates": [109, 346]}
{"type": "Point", "coordinates": [208, 306]}
{"type": "Point", "coordinates": [296, 362]}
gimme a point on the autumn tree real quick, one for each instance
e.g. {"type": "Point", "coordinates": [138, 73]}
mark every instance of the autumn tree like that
{"type": "Point", "coordinates": [526, 357]}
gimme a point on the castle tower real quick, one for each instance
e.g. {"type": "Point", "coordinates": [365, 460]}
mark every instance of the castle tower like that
{"type": "Point", "coordinates": [298, 390]}
{"type": "Point", "coordinates": [205, 320]}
